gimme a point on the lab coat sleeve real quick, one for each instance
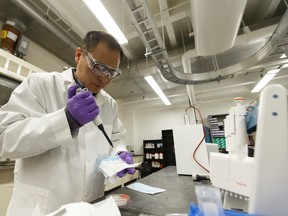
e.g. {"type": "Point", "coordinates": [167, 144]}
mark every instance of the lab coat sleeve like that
{"type": "Point", "coordinates": [26, 129]}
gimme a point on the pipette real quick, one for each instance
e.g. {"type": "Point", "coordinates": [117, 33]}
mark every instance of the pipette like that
{"type": "Point", "coordinates": [98, 121]}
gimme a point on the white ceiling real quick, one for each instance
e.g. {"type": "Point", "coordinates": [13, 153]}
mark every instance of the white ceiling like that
{"type": "Point", "coordinates": [59, 26]}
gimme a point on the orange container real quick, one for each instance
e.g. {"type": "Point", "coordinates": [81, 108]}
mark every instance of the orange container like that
{"type": "Point", "coordinates": [9, 36]}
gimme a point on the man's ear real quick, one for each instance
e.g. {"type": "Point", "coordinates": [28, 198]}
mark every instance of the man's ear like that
{"type": "Point", "coordinates": [78, 53]}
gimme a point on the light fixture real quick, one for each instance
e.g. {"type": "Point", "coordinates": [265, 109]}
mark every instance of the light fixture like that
{"type": "Point", "coordinates": [263, 82]}
{"type": "Point", "coordinates": [157, 89]}
{"type": "Point", "coordinates": [105, 18]}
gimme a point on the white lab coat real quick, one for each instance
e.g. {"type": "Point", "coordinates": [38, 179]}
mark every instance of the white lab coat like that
{"type": "Point", "coordinates": [53, 167]}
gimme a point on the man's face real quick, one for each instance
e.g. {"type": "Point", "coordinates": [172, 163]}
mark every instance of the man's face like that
{"type": "Point", "coordinates": [91, 80]}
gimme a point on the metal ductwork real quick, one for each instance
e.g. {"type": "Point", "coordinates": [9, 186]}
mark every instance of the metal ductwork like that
{"type": "Point", "coordinates": [253, 40]}
{"type": "Point", "coordinates": [45, 22]}
{"type": "Point", "coordinates": [143, 20]}
{"type": "Point", "coordinates": [220, 19]}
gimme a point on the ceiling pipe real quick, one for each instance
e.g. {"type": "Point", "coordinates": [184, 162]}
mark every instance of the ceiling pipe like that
{"type": "Point", "coordinates": [279, 32]}
{"type": "Point", "coordinates": [216, 24]}
{"type": "Point", "coordinates": [249, 37]}
{"type": "Point", "coordinates": [254, 36]}
{"type": "Point", "coordinates": [160, 56]}
{"type": "Point", "coordinates": [49, 25]}
{"type": "Point", "coordinates": [186, 62]}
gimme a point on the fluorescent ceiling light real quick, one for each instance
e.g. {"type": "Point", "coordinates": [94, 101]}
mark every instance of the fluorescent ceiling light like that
{"type": "Point", "coordinates": [107, 21]}
{"type": "Point", "coordinates": [263, 82]}
{"type": "Point", "coordinates": [157, 89]}
{"type": "Point", "coordinates": [283, 56]}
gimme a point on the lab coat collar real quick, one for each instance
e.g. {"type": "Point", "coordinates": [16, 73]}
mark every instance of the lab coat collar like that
{"type": "Point", "coordinates": [67, 76]}
{"type": "Point", "coordinates": [101, 97]}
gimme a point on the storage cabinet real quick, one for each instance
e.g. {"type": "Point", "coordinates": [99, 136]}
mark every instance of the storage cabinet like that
{"type": "Point", "coordinates": [217, 130]}
{"type": "Point", "coordinates": [169, 149]}
{"type": "Point", "coordinates": [154, 154]}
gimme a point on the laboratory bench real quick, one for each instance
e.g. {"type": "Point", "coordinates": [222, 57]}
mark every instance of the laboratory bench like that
{"type": "Point", "coordinates": [176, 199]}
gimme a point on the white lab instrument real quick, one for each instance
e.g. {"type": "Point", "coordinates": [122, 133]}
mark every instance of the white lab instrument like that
{"type": "Point", "coordinates": [211, 147]}
{"type": "Point", "coordinates": [232, 172]}
{"type": "Point", "coordinates": [260, 182]}
{"type": "Point", "coordinates": [186, 140]}
{"type": "Point", "coordinates": [269, 189]}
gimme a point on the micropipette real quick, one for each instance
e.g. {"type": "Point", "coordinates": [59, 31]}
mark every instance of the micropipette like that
{"type": "Point", "coordinates": [98, 121]}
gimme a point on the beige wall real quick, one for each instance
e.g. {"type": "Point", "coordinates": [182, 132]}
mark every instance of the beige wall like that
{"type": "Point", "coordinates": [43, 59]}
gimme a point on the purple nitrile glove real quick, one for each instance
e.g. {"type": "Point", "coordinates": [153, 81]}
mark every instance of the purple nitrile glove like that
{"type": "Point", "coordinates": [128, 158]}
{"type": "Point", "coordinates": [82, 106]}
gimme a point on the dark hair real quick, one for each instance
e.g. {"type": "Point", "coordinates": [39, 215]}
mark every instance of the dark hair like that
{"type": "Point", "coordinates": [92, 38]}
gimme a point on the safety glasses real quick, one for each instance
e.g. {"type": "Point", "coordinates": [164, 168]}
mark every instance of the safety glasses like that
{"type": "Point", "coordinates": [99, 68]}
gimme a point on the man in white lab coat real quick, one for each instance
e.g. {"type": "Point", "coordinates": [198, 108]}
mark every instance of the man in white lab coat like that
{"type": "Point", "coordinates": [48, 128]}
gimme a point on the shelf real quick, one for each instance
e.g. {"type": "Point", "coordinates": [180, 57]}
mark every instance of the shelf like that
{"type": "Point", "coordinates": [148, 149]}
{"type": "Point", "coordinates": [14, 67]}
{"type": "Point", "coordinates": [152, 148]}
{"type": "Point", "coordinates": [217, 130]}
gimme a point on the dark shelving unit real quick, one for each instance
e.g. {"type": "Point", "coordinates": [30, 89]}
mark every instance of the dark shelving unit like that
{"type": "Point", "coordinates": [154, 154]}
{"type": "Point", "coordinates": [169, 150]}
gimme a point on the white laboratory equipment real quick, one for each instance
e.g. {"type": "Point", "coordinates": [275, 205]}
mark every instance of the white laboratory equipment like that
{"type": "Point", "coordinates": [189, 140]}
{"type": "Point", "coordinates": [269, 185]}
{"type": "Point", "coordinates": [257, 185]}
{"type": "Point", "coordinates": [232, 172]}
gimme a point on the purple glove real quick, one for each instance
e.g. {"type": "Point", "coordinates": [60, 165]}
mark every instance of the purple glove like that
{"type": "Point", "coordinates": [128, 158]}
{"type": "Point", "coordinates": [82, 106]}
